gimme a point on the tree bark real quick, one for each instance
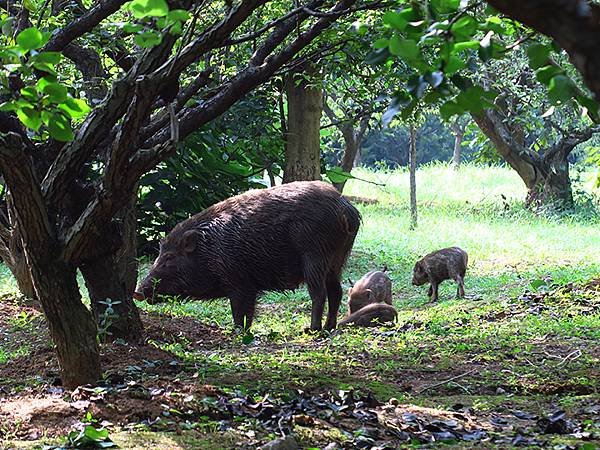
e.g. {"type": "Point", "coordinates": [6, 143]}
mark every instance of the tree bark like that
{"type": "Point", "coordinates": [111, 278]}
{"type": "Point", "coordinates": [412, 161]}
{"type": "Point", "coordinates": [459, 131]}
{"type": "Point", "coordinates": [303, 140]}
{"type": "Point", "coordinates": [545, 174]}
{"type": "Point", "coordinates": [71, 324]}
{"type": "Point", "coordinates": [353, 137]}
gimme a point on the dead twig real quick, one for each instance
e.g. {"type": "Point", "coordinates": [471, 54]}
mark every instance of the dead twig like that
{"type": "Point", "coordinates": [446, 381]}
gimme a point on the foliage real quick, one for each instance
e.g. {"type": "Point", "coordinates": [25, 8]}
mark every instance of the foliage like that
{"type": "Point", "coordinates": [440, 42]}
{"type": "Point", "coordinates": [39, 97]}
{"type": "Point", "coordinates": [106, 318]}
{"type": "Point", "coordinates": [89, 437]}
{"type": "Point", "coordinates": [226, 157]}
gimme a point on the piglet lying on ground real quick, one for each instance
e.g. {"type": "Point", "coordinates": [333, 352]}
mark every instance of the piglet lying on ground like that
{"type": "Point", "coordinates": [370, 315]}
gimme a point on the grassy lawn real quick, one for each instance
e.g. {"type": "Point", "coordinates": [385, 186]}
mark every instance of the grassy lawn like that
{"type": "Point", "coordinates": [506, 346]}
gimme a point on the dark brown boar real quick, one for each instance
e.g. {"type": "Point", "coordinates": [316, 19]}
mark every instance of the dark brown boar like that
{"type": "Point", "coordinates": [262, 240]}
{"type": "Point", "coordinates": [374, 287]}
{"type": "Point", "coordinates": [446, 264]}
{"type": "Point", "coordinates": [370, 315]}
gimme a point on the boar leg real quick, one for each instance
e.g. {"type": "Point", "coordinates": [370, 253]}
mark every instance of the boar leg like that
{"type": "Point", "coordinates": [334, 298]}
{"type": "Point", "coordinates": [460, 291]}
{"type": "Point", "coordinates": [430, 292]}
{"type": "Point", "coordinates": [434, 290]}
{"type": "Point", "coordinates": [242, 307]}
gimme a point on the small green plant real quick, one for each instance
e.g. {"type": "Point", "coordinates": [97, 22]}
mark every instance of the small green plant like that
{"type": "Point", "coordinates": [89, 437]}
{"type": "Point", "coordinates": [106, 318]}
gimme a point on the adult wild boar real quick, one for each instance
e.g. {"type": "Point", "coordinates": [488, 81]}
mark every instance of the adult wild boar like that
{"type": "Point", "coordinates": [262, 240]}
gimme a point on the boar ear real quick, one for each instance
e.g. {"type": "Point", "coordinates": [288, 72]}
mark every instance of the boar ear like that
{"type": "Point", "coordinates": [369, 294]}
{"type": "Point", "coordinates": [190, 239]}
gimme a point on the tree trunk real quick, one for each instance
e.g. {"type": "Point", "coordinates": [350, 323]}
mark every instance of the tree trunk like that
{"type": "Point", "coordinates": [14, 258]}
{"type": "Point", "coordinates": [459, 132]}
{"type": "Point", "coordinates": [351, 148]}
{"type": "Point", "coordinates": [110, 279]}
{"type": "Point", "coordinates": [546, 174]}
{"type": "Point", "coordinates": [71, 324]}
{"type": "Point", "coordinates": [552, 183]}
{"type": "Point", "coordinates": [412, 162]}
{"type": "Point", "coordinates": [305, 105]}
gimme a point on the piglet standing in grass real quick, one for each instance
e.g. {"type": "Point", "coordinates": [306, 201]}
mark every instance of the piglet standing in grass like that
{"type": "Point", "coordinates": [374, 287]}
{"type": "Point", "coordinates": [445, 264]}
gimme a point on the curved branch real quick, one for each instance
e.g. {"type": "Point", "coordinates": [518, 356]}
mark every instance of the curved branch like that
{"type": "Point", "coordinates": [573, 24]}
{"type": "Point", "coordinates": [83, 24]}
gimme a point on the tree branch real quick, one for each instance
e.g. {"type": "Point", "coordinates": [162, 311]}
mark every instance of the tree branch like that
{"type": "Point", "coordinates": [31, 214]}
{"type": "Point", "coordinates": [83, 24]}
{"type": "Point", "coordinates": [569, 141]}
{"type": "Point", "coordinates": [573, 24]}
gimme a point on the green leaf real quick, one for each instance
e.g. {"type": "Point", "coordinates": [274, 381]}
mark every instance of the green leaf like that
{"type": "Point", "coordinates": [48, 57]}
{"type": "Point", "coordinates": [445, 6]}
{"type": "Point", "coordinates": [449, 109]}
{"type": "Point", "coordinates": [538, 55]}
{"type": "Point", "coordinates": [545, 74]}
{"type": "Point", "coordinates": [453, 65]}
{"type": "Point", "coordinates": [30, 39]}
{"type": "Point", "coordinates": [338, 175]}
{"type": "Point", "coordinates": [45, 67]}
{"type": "Point", "coordinates": [7, 26]}
{"type": "Point", "coordinates": [30, 5]}
{"type": "Point", "coordinates": [8, 106]}
{"type": "Point", "coordinates": [475, 99]}
{"type": "Point", "coordinates": [30, 118]}
{"type": "Point", "coordinates": [465, 45]}
{"type": "Point", "coordinates": [247, 338]}
{"type": "Point", "coordinates": [60, 128]}
{"type": "Point", "coordinates": [464, 28]}
{"type": "Point", "coordinates": [148, 39]}
{"type": "Point", "coordinates": [495, 24]}
{"type": "Point", "coordinates": [149, 8]}
{"type": "Point", "coordinates": [132, 28]}
{"type": "Point", "coordinates": [381, 43]}
{"type": "Point", "coordinates": [96, 435]}
{"type": "Point", "coordinates": [56, 93]}
{"type": "Point", "coordinates": [76, 108]}
{"type": "Point", "coordinates": [179, 15]}
{"type": "Point", "coordinates": [30, 93]}
{"type": "Point", "coordinates": [406, 48]}
{"type": "Point", "coordinates": [560, 89]}
{"type": "Point", "coordinates": [395, 20]}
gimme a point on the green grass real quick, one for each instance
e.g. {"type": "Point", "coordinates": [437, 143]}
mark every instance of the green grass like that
{"type": "Point", "coordinates": [522, 350]}
{"type": "Point", "coordinates": [508, 247]}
